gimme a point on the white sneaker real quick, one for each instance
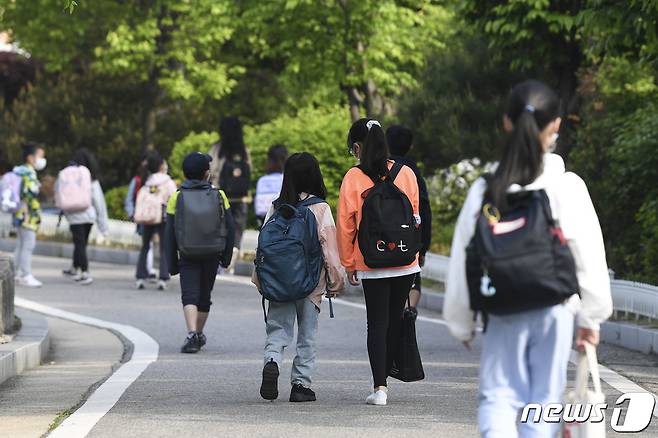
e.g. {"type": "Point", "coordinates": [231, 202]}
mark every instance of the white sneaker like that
{"type": "Point", "coordinates": [162, 285]}
{"type": "Point", "coordinates": [139, 284]}
{"type": "Point", "coordinates": [85, 279]}
{"type": "Point", "coordinates": [378, 398]}
{"type": "Point", "coordinates": [30, 281]}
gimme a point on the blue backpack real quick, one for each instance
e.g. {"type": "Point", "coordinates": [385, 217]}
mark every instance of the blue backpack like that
{"type": "Point", "coordinates": [289, 256]}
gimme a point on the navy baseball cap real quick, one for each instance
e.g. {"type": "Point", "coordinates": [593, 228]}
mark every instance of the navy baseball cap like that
{"type": "Point", "coordinates": [196, 164]}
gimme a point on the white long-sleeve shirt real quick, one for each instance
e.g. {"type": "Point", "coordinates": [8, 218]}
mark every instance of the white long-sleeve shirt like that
{"type": "Point", "coordinates": [572, 207]}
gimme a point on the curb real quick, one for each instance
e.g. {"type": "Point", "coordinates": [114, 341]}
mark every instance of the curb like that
{"type": "Point", "coordinates": [65, 250]}
{"type": "Point", "coordinates": [28, 349]}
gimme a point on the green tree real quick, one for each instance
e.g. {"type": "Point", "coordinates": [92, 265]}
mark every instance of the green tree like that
{"type": "Point", "coordinates": [362, 53]}
{"type": "Point", "coordinates": [172, 48]}
{"type": "Point", "coordinates": [538, 37]}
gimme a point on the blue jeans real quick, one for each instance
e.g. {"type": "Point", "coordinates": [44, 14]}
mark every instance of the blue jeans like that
{"type": "Point", "coordinates": [524, 360]}
{"type": "Point", "coordinates": [280, 329]}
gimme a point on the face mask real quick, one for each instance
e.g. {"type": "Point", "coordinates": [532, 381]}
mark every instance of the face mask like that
{"type": "Point", "coordinates": [40, 163]}
{"type": "Point", "coordinates": [553, 143]}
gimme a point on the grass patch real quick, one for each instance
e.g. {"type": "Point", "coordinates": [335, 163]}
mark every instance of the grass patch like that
{"type": "Point", "coordinates": [63, 415]}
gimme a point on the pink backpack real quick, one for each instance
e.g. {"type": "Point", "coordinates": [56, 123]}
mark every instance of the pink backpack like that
{"type": "Point", "coordinates": [149, 206]}
{"type": "Point", "coordinates": [73, 192]}
{"type": "Point", "coordinates": [10, 192]}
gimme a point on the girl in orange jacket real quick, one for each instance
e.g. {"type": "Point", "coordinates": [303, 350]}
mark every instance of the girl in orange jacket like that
{"type": "Point", "coordinates": [385, 289]}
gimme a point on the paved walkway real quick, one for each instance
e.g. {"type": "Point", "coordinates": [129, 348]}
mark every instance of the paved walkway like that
{"type": "Point", "coordinates": [80, 356]}
{"type": "Point", "coordinates": [215, 393]}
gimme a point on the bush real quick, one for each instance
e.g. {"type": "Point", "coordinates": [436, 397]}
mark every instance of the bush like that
{"type": "Point", "coordinates": [319, 131]}
{"type": "Point", "coordinates": [616, 156]}
{"type": "Point", "coordinates": [114, 199]}
{"type": "Point", "coordinates": [447, 191]}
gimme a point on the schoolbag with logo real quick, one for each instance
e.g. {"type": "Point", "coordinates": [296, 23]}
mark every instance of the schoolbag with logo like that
{"type": "Point", "coordinates": [519, 260]}
{"type": "Point", "coordinates": [149, 206]}
{"type": "Point", "coordinates": [10, 192]}
{"type": "Point", "coordinates": [389, 235]}
{"type": "Point", "coordinates": [289, 256]}
{"type": "Point", "coordinates": [73, 192]}
{"type": "Point", "coordinates": [235, 178]}
{"type": "Point", "coordinates": [200, 223]}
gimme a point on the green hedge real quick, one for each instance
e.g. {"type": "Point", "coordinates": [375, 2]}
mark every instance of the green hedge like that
{"type": "Point", "coordinates": [114, 199]}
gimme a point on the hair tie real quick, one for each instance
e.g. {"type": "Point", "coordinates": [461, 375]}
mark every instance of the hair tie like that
{"type": "Point", "coordinates": [370, 123]}
{"type": "Point", "coordinates": [530, 109]}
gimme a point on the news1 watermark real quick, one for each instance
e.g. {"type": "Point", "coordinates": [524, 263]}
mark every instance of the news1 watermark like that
{"type": "Point", "coordinates": [638, 412]}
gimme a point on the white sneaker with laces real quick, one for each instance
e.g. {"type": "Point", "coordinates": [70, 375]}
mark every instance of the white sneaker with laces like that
{"type": "Point", "coordinates": [377, 398]}
{"type": "Point", "coordinates": [30, 281]}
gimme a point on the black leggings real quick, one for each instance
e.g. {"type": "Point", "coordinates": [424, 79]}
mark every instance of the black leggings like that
{"type": "Point", "coordinates": [385, 298]}
{"type": "Point", "coordinates": [80, 234]}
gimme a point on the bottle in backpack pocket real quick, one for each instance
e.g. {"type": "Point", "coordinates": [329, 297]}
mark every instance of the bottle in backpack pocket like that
{"type": "Point", "coordinates": [389, 233]}
{"type": "Point", "coordinates": [73, 193]}
{"type": "Point", "coordinates": [519, 260]}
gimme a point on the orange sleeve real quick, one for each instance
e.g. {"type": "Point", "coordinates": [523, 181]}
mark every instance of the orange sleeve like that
{"type": "Point", "coordinates": [346, 226]}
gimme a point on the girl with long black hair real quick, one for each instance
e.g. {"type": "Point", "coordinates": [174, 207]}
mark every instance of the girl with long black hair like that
{"type": "Point", "coordinates": [525, 353]}
{"type": "Point", "coordinates": [231, 171]}
{"type": "Point", "coordinates": [302, 179]}
{"type": "Point", "coordinates": [386, 289]}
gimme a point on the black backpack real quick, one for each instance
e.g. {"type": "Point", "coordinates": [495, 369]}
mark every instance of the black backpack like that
{"type": "Point", "coordinates": [520, 260]}
{"type": "Point", "coordinates": [235, 178]}
{"type": "Point", "coordinates": [201, 229]}
{"type": "Point", "coordinates": [388, 233]}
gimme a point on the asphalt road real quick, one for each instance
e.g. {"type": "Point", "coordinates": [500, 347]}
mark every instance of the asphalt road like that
{"type": "Point", "coordinates": [215, 393]}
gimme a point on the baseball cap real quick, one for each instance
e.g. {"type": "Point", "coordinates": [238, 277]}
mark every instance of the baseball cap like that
{"type": "Point", "coordinates": [196, 164]}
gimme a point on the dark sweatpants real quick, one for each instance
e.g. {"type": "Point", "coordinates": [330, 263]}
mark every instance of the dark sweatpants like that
{"type": "Point", "coordinates": [197, 279]}
{"type": "Point", "coordinates": [385, 298]}
{"type": "Point", "coordinates": [80, 233]}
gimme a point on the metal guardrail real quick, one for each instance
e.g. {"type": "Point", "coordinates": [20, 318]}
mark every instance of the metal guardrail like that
{"type": "Point", "coordinates": [630, 297]}
{"type": "Point", "coordinates": [639, 299]}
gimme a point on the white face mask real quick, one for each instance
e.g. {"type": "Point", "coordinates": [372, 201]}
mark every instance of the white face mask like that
{"type": "Point", "coordinates": [553, 143]}
{"type": "Point", "coordinates": [40, 163]}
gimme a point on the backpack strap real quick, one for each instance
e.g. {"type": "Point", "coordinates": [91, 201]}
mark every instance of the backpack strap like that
{"type": "Point", "coordinates": [395, 171]}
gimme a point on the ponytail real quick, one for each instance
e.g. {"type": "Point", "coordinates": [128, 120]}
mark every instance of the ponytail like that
{"type": "Point", "coordinates": [374, 151]}
{"type": "Point", "coordinates": [532, 106]}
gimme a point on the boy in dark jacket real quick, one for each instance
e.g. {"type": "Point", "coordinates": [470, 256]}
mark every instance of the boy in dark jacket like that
{"type": "Point", "coordinates": [400, 141]}
{"type": "Point", "coordinates": [197, 275]}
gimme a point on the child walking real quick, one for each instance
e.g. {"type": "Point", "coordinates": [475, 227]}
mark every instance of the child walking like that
{"type": "Point", "coordinates": [198, 238]}
{"type": "Point", "coordinates": [302, 184]}
{"type": "Point", "coordinates": [28, 217]}
{"type": "Point", "coordinates": [81, 222]}
{"type": "Point", "coordinates": [400, 142]}
{"type": "Point", "coordinates": [268, 186]}
{"type": "Point", "coordinates": [386, 285]}
{"type": "Point", "coordinates": [528, 338]}
{"type": "Point", "coordinates": [149, 211]}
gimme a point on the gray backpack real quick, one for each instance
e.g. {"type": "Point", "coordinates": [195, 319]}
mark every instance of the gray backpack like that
{"type": "Point", "coordinates": [201, 230]}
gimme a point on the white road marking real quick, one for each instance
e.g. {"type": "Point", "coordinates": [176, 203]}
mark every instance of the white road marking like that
{"type": "Point", "coordinates": [612, 378]}
{"type": "Point", "coordinates": [99, 403]}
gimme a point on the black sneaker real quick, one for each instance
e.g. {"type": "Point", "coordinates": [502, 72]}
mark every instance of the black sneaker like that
{"type": "Point", "coordinates": [202, 339]}
{"type": "Point", "coordinates": [191, 344]}
{"type": "Point", "coordinates": [300, 393]}
{"type": "Point", "coordinates": [269, 388]}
